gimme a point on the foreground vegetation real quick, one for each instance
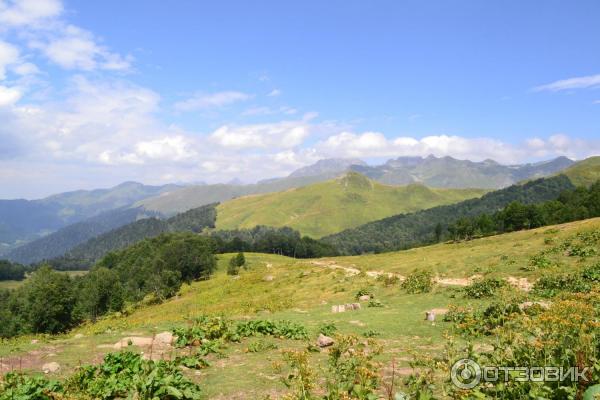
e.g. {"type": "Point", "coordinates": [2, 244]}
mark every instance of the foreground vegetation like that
{"type": "Point", "coordinates": [235, 323]}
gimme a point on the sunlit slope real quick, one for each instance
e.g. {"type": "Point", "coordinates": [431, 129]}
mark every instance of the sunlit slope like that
{"type": "Point", "coordinates": [332, 206]}
{"type": "Point", "coordinates": [585, 172]}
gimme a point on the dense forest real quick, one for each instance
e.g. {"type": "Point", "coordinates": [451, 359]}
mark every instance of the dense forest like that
{"type": "Point", "coordinates": [86, 254]}
{"type": "Point", "coordinates": [262, 239]}
{"type": "Point", "coordinates": [571, 205]}
{"type": "Point", "coordinates": [12, 272]}
{"type": "Point", "coordinates": [153, 270]}
{"type": "Point", "coordinates": [409, 230]}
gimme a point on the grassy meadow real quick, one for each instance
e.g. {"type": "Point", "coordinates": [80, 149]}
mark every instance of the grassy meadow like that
{"type": "Point", "coordinates": [303, 291]}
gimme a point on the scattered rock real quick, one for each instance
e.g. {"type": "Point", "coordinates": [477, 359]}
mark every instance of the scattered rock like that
{"type": "Point", "coordinates": [78, 336]}
{"type": "Point", "coordinates": [429, 316]}
{"type": "Point", "coordinates": [524, 306]}
{"type": "Point", "coordinates": [365, 297]}
{"type": "Point", "coordinates": [357, 323]}
{"type": "Point", "coordinates": [51, 367]}
{"type": "Point", "coordinates": [356, 306]}
{"type": "Point", "coordinates": [324, 341]}
{"type": "Point", "coordinates": [133, 340]}
{"type": "Point", "coordinates": [164, 338]}
{"type": "Point", "coordinates": [520, 283]}
{"type": "Point", "coordinates": [268, 278]}
{"type": "Point", "coordinates": [338, 308]}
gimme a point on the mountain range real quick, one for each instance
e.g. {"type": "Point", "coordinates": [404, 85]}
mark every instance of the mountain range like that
{"type": "Point", "coordinates": [65, 220]}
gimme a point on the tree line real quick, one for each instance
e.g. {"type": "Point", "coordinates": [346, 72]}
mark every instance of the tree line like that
{"type": "Point", "coordinates": [151, 270]}
{"type": "Point", "coordinates": [12, 271]}
{"type": "Point", "coordinates": [571, 205]}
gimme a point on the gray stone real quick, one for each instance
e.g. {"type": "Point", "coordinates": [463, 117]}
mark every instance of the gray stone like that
{"type": "Point", "coordinates": [324, 341]}
{"type": "Point", "coordinates": [51, 367]}
{"type": "Point", "coordinates": [364, 297]}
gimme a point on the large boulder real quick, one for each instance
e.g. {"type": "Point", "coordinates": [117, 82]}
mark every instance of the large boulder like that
{"type": "Point", "coordinates": [164, 338]}
{"type": "Point", "coordinates": [324, 341]}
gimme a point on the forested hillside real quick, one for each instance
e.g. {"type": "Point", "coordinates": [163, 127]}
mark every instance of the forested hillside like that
{"type": "Point", "coordinates": [409, 230]}
{"type": "Point", "coordinates": [332, 206]}
{"type": "Point", "coordinates": [84, 255]}
{"type": "Point", "coordinates": [61, 241]}
{"type": "Point", "coordinates": [25, 220]}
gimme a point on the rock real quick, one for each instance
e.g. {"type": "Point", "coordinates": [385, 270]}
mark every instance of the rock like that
{"type": "Point", "coordinates": [356, 306]}
{"type": "Point", "coordinates": [429, 316]}
{"type": "Point", "coordinates": [134, 340]}
{"type": "Point", "coordinates": [164, 338]}
{"type": "Point", "coordinates": [268, 278]}
{"type": "Point", "coordinates": [338, 308]}
{"type": "Point", "coordinates": [51, 367]}
{"type": "Point", "coordinates": [364, 297]}
{"type": "Point", "coordinates": [78, 336]}
{"type": "Point", "coordinates": [524, 306]}
{"type": "Point", "coordinates": [324, 341]}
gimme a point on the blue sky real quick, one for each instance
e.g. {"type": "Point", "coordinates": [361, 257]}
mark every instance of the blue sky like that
{"type": "Point", "coordinates": [94, 93]}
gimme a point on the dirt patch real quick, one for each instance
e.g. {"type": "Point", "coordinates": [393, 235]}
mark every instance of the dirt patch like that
{"type": "Point", "coordinates": [456, 281]}
{"type": "Point", "coordinates": [520, 283]}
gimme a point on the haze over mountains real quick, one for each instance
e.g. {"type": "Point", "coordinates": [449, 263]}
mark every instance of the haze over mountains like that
{"type": "Point", "coordinates": [52, 218]}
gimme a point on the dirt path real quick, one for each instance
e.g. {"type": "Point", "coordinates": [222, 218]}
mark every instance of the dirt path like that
{"type": "Point", "coordinates": [520, 283]}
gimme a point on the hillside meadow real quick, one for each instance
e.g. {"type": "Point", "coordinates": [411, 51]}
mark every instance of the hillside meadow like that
{"type": "Point", "coordinates": [303, 291]}
{"type": "Point", "coordinates": [328, 207]}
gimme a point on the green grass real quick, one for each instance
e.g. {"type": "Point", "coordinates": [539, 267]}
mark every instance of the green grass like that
{"type": "Point", "coordinates": [585, 172]}
{"type": "Point", "coordinates": [303, 291]}
{"type": "Point", "coordinates": [332, 206]}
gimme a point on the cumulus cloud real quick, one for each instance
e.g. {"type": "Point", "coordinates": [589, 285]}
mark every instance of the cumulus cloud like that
{"type": "Point", "coordinates": [282, 135]}
{"type": "Point", "coordinates": [28, 12]}
{"type": "Point", "coordinates": [211, 100]}
{"type": "Point", "coordinates": [8, 96]}
{"type": "Point", "coordinates": [581, 82]}
{"type": "Point", "coordinates": [9, 54]}
{"type": "Point", "coordinates": [76, 48]}
{"type": "Point", "coordinates": [375, 144]}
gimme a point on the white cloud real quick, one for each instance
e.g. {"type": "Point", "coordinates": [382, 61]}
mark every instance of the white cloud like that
{"type": "Point", "coordinates": [28, 12]}
{"type": "Point", "coordinates": [582, 82]}
{"type": "Point", "coordinates": [254, 111]}
{"type": "Point", "coordinates": [283, 135]}
{"type": "Point", "coordinates": [9, 54]}
{"type": "Point", "coordinates": [211, 100]}
{"type": "Point", "coordinates": [274, 93]}
{"type": "Point", "coordinates": [9, 96]}
{"type": "Point", "coordinates": [76, 48]}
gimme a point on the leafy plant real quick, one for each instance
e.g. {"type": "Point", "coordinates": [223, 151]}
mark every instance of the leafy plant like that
{"type": "Point", "coordinates": [328, 328]}
{"type": "Point", "coordinates": [483, 288]}
{"type": "Point", "coordinates": [418, 282]}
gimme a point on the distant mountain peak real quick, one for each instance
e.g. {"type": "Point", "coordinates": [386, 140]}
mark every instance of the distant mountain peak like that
{"type": "Point", "coordinates": [327, 166]}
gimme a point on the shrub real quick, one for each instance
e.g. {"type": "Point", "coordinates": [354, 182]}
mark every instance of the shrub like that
{"type": "Point", "coordinates": [483, 288]}
{"type": "Point", "coordinates": [550, 286]}
{"type": "Point", "coordinates": [328, 329]}
{"type": "Point", "coordinates": [363, 292]}
{"type": "Point", "coordinates": [418, 282]}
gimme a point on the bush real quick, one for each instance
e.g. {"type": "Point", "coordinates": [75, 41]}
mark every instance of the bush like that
{"type": "Point", "coordinates": [483, 288]}
{"type": "Point", "coordinates": [363, 292]}
{"type": "Point", "coordinates": [418, 282]}
{"type": "Point", "coordinates": [328, 329]}
{"type": "Point", "coordinates": [550, 286]}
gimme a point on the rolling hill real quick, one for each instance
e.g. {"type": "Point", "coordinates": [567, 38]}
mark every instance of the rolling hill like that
{"type": "Point", "coordinates": [303, 292]}
{"type": "Point", "coordinates": [409, 230]}
{"type": "Point", "coordinates": [332, 206]}
{"type": "Point", "coordinates": [584, 172]}
{"type": "Point", "coordinates": [22, 220]}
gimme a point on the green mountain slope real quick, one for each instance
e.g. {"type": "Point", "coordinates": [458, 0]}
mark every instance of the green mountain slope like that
{"type": "Point", "coordinates": [22, 221]}
{"type": "Point", "coordinates": [408, 230]}
{"type": "Point", "coordinates": [85, 254]}
{"type": "Point", "coordinates": [332, 206]}
{"type": "Point", "coordinates": [584, 173]}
